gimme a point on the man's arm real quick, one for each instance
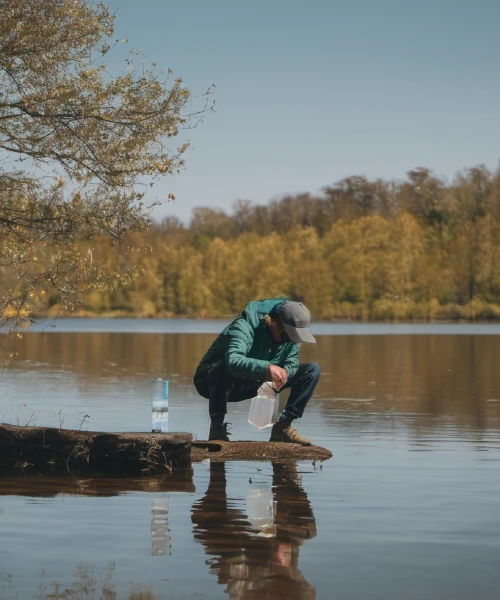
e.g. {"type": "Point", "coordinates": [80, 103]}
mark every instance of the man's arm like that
{"type": "Point", "coordinates": [241, 336]}
{"type": "Point", "coordinates": [291, 362]}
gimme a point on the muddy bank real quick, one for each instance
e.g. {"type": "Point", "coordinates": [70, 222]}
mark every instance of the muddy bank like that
{"type": "Point", "coordinates": [45, 450]}
{"type": "Point", "coordinates": [247, 450]}
{"type": "Point", "coordinates": [29, 450]}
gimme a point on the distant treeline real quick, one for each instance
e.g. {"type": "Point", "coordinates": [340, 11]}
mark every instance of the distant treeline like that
{"type": "Point", "coordinates": [418, 249]}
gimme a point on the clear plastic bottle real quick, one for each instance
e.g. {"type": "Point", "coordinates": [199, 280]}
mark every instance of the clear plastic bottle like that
{"type": "Point", "coordinates": [159, 406]}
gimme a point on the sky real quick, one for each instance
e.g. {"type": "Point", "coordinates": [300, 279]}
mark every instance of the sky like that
{"type": "Point", "coordinates": [308, 93]}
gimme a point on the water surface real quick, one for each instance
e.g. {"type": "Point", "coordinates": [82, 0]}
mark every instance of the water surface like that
{"type": "Point", "coordinates": [132, 325]}
{"type": "Point", "coordinates": [407, 508]}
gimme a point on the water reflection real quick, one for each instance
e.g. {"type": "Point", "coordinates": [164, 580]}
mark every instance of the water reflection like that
{"type": "Point", "coordinates": [252, 541]}
{"type": "Point", "coordinates": [256, 555]}
{"type": "Point", "coordinates": [86, 584]}
{"type": "Point", "coordinates": [50, 487]}
{"type": "Point", "coordinates": [160, 531]}
{"type": "Point", "coordinates": [431, 374]}
{"type": "Point", "coordinates": [420, 383]}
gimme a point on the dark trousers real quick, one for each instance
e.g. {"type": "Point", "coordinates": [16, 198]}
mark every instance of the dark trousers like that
{"type": "Point", "coordinates": [220, 387]}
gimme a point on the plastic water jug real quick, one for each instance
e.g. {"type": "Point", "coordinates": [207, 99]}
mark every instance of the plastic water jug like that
{"type": "Point", "coordinates": [159, 406]}
{"type": "Point", "coordinates": [264, 407]}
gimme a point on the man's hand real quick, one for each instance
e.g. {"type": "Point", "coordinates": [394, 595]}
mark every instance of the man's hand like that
{"type": "Point", "coordinates": [277, 375]}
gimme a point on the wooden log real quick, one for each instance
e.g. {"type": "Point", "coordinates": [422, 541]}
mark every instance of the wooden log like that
{"type": "Point", "coordinates": [246, 450]}
{"type": "Point", "coordinates": [32, 450]}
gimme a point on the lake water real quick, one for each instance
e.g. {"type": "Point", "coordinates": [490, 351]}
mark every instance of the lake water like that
{"type": "Point", "coordinates": [408, 507]}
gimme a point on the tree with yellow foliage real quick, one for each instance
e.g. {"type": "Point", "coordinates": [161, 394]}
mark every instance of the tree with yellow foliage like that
{"type": "Point", "coordinates": [74, 144]}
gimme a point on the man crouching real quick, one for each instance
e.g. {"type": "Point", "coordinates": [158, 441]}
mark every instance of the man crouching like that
{"type": "Point", "coordinates": [261, 344]}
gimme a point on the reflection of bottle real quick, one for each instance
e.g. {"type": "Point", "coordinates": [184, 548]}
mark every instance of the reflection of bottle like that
{"type": "Point", "coordinates": [160, 533]}
{"type": "Point", "coordinates": [160, 406]}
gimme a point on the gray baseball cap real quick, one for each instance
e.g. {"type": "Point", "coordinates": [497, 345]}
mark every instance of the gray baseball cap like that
{"type": "Point", "coordinates": [296, 319]}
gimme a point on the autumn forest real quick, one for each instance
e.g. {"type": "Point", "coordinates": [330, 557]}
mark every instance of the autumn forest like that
{"type": "Point", "coordinates": [418, 249]}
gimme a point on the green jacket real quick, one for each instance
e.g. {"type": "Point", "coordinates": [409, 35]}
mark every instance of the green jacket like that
{"type": "Point", "coordinates": [247, 348]}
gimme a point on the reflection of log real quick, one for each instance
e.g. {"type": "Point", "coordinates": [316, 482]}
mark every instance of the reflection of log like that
{"type": "Point", "coordinates": [44, 449]}
{"type": "Point", "coordinates": [52, 485]}
{"type": "Point", "coordinates": [221, 451]}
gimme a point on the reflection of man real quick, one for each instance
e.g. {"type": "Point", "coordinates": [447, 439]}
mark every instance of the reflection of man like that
{"type": "Point", "coordinates": [261, 344]}
{"type": "Point", "coordinates": [249, 565]}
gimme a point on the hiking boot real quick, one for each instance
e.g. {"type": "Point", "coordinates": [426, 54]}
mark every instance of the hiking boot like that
{"type": "Point", "coordinates": [219, 432]}
{"type": "Point", "coordinates": [284, 432]}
